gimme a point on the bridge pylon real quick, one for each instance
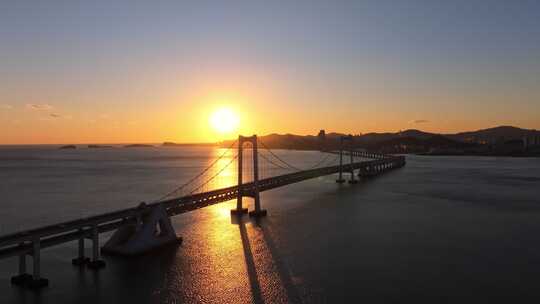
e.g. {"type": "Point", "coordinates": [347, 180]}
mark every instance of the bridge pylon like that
{"type": "Point", "coordinates": [340, 179]}
{"type": "Point", "coordinates": [254, 190]}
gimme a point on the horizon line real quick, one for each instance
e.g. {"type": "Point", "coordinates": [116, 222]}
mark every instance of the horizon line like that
{"type": "Point", "coordinates": [224, 140]}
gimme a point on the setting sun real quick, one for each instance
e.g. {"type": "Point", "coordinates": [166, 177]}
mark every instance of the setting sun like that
{"type": "Point", "coordinates": [224, 120]}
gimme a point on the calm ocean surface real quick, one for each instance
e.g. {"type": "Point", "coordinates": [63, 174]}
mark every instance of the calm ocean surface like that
{"type": "Point", "coordinates": [441, 229]}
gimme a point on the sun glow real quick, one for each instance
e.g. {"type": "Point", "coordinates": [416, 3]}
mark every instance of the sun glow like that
{"type": "Point", "coordinates": [224, 121]}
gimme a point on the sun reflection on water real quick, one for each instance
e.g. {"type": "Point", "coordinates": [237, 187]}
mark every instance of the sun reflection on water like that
{"type": "Point", "coordinates": [229, 259]}
{"type": "Point", "coordinates": [225, 170]}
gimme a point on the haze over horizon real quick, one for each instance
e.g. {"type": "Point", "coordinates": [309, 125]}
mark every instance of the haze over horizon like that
{"type": "Point", "coordinates": [100, 72]}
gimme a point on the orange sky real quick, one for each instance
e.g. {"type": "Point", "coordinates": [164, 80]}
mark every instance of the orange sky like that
{"type": "Point", "coordinates": [101, 72]}
{"type": "Point", "coordinates": [182, 118]}
{"type": "Point", "coordinates": [150, 111]}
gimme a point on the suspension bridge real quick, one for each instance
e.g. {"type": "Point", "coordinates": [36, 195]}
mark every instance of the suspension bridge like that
{"type": "Point", "coordinates": [148, 226]}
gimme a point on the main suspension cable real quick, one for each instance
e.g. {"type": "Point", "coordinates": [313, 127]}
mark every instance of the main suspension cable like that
{"type": "Point", "coordinates": [272, 162]}
{"type": "Point", "coordinates": [278, 158]}
{"type": "Point", "coordinates": [198, 175]}
{"type": "Point", "coordinates": [215, 175]}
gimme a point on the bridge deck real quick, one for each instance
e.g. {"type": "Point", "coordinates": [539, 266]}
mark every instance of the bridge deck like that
{"type": "Point", "coordinates": [20, 243]}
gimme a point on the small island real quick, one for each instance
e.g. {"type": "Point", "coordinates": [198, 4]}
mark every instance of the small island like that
{"type": "Point", "coordinates": [68, 147]}
{"type": "Point", "coordinates": [138, 146]}
{"type": "Point", "coordinates": [98, 146]}
{"type": "Point", "coordinates": [173, 144]}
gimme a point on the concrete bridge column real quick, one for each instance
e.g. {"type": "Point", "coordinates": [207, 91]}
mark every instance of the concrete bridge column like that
{"type": "Point", "coordinates": [80, 259]}
{"type": "Point", "coordinates": [341, 144]}
{"type": "Point", "coordinates": [361, 172]}
{"type": "Point", "coordinates": [258, 211]}
{"type": "Point", "coordinates": [340, 179]}
{"type": "Point", "coordinates": [95, 263]}
{"type": "Point", "coordinates": [239, 209]}
{"type": "Point", "coordinates": [352, 180]}
{"type": "Point", "coordinates": [36, 281]}
{"type": "Point", "coordinates": [22, 264]}
{"type": "Point", "coordinates": [23, 277]}
{"type": "Point", "coordinates": [153, 229]}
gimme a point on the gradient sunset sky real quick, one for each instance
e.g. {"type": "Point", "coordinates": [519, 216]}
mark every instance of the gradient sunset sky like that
{"type": "Point", "coordinates": [151, 71]}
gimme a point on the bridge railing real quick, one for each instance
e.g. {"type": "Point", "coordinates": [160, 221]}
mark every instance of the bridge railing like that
{"type": "Point", "coordinates": [364, 154]}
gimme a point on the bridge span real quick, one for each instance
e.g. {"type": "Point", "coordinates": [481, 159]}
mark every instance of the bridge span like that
{"type": "Point", "coordinates": [147, 226]}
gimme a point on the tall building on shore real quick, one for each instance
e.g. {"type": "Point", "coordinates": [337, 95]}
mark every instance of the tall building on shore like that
{"type": "Point", "coordinates": [532, 140]}
{"type": "Point", "coordinates": [321, 135]}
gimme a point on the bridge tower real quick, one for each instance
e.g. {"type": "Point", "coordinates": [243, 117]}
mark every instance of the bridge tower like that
{"type": "Point", "coordinates": [352, 180]}
{"type": "Point", "coordinates": [340, 179]}
{"type": "Point", "coordinates": [253, 189]}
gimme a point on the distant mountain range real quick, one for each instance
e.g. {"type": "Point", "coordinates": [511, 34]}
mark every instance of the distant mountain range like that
{"type": "Point", "coordinates": [405, 141]}
{"type": "Point", "coordinates": [502, 132]}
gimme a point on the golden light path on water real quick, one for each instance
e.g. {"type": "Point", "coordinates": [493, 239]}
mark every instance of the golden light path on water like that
{"type": "Point", "coordinates": [230, 260]}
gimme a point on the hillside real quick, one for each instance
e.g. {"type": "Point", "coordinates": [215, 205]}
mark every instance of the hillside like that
{"type": "Point", "coordinates": [493, 134]}
{"type": "Point", "coordinates": [409, 141]}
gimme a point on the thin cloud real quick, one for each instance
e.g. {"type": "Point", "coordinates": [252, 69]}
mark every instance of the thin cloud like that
{"type": "Point", "coordinates": [6, 106]}
{"type": "Point", "coordinates": [419, 121]}
{"type": "Point", "coordinates": [39, 107]}
{"type": "Point", "coordinates": [54, 115]}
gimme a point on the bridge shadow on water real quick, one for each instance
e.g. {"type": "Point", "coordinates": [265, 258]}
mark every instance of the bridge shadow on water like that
{"type": "Point", "coordinates": [250, 265]}
{"type": "Point", "coordinates": [271, 264]}
{"type": "Point", "coordinates": [284, 272]}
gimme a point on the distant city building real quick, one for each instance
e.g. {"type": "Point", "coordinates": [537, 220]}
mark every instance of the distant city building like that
{"type": "Point", "coordinates": [531, 141]}
{"type": "Point", "coordinates": [322, 134]}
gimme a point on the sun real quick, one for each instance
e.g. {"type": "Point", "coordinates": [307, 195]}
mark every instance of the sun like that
{"type": "Point", "coordinates": [224, 120]}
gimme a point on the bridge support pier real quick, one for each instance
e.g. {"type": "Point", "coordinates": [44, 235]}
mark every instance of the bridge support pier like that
{"type": "Point", "coordinates": [151, 231]}
{"type": "Point", "coordinates": [34, 280]}
{"type": "Point", "coordinates": [80, 260]}
{"type": "Point", "coordinates": [37, 281]}
{"type": "Point", "coordinates": [340, 179]}
{"type": "Point", "coordinates": [96, 262]}
{"type": "Point", "coordinates": [258, 212]}
{"type": "Point", "coordinates": [23, 277]}
{"type": "Point", "coordinates": [239, 211]}
{"type": "Point", "coordinates": [352, 180]}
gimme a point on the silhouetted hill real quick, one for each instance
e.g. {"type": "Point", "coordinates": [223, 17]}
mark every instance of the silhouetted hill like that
{"type": "Point", "coordinates": [68, 147]}
{"type": "Point", "coordinates": [291, 141]}
{"type": "Point", "coordinates": [138, 146]}
{"type": "Point", "coordinates": [443, 141]}
{"type": "Point", "coordinates": [408, 141]}
{"type": "Point", "coordinates": [416, 134]}
{"type": "Point", "coordinates": [99, 146]}
{"type": "Point", "coordinates": [494, 134]}
{"type": "Point", "coordinates": [372, 138]}
{"type": "Point", "coordinates": [398, 140]}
